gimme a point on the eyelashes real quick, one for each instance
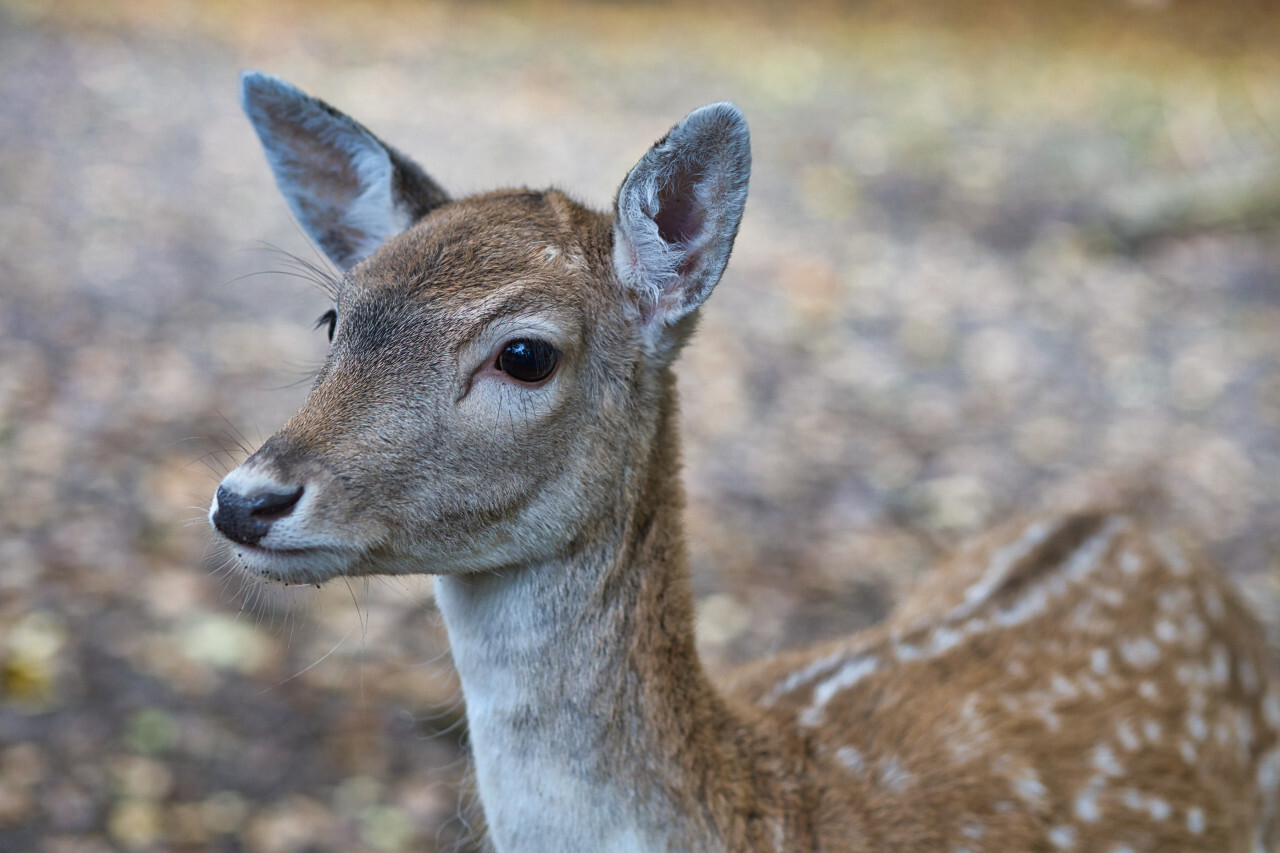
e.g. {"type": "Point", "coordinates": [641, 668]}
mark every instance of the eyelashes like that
{"type": "Point", "coordinates": [328, 321]}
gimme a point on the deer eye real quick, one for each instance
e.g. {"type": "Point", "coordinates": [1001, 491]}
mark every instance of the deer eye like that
{"type": "Point", "coordinates": [328, 321]}
{"type": "Point", "coordinates": [528, 360]}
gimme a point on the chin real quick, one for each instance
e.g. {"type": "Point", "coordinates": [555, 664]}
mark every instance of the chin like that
{"type": "Point", "coordinates": [294, 566]}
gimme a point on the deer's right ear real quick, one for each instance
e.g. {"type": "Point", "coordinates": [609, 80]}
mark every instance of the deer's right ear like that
{"type": "Point", "coordinates": [349, 190]}
{"type": "Point", "coordinates": [677, 216]}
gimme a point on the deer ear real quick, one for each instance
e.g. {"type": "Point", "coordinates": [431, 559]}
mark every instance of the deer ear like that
{"type": "Point", "coordinates": [678, 213]}
{"type": "Point", "coordinates": [346, 188]}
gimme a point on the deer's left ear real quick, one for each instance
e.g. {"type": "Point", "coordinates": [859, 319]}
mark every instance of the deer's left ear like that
{"type": "Point", "coordinates": [678, 213]}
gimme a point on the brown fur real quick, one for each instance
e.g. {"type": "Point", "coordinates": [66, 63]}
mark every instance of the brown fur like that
{"type": "Point", "coordinates": [1047, 725]}
{"type": "Point", "coordinates": [1063, 684]}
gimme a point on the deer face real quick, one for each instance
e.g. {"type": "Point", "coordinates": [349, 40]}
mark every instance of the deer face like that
{"type": "Point", "coordinates": [456, 424]}
{"type": "Point", "coordinates": [496, 362]}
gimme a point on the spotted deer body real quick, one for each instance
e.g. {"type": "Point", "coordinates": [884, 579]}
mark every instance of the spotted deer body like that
{"type": "Point", "coordinates": [1071, 683]}
{"type": "Point", "coordinates": [498, 409]}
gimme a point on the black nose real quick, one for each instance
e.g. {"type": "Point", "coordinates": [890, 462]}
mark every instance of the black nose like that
{"type": "Point", "coordinates": [248, 518]}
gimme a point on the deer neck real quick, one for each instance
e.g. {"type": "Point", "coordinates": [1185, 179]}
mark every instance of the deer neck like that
{"type": "Point", "coordinates": [590, 715]}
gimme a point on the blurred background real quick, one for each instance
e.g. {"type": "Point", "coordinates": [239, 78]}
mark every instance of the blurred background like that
{"type": "Point", "coordinates": [997, 257]}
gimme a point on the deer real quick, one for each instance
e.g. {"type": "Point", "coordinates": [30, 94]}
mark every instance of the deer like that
{"type": "Point", "coordinates": [497, 408]}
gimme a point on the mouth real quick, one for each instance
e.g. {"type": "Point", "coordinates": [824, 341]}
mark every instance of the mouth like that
{"type": "Point", "coordinates": [291, 566]}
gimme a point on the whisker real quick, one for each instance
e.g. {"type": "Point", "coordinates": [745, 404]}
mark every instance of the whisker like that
{"type": "Point", "coordinates": [312, 665]}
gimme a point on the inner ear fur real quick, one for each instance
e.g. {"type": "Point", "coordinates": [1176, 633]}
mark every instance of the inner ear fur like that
{"type": "Point", "coordinates": [677, 214]}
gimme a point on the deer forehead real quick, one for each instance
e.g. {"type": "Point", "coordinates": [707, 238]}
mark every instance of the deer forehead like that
{"type": "Point", "coordinates": [463, 250]}
{"type": "Point", "coordinates": [505, 262]}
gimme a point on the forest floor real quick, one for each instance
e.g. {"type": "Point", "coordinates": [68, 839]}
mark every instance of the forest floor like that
{"type": "Point", "coordinates": [1010, 260]}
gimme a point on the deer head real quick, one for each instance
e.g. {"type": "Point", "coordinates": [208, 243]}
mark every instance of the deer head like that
{"type": "Point", "coordinates": [496, 371]}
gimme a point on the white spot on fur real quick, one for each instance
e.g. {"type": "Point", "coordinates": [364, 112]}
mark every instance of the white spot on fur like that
{"type": "Point", "coordinates": [972, 739]}
{"type": "Point", "coordinates": [1127, 737]}
{"type": "Point", "coordinates": [1166, 632]}
{"type": "Point", "coordinates": [1269, 772]}
{"type": "Point", "coordinates": [1028, 787]}
{"type": "Point", "coordinates": [895, 777]}
{"type": "Point", "coordinates": [1082, 563]}
{"type": "Point", "coordinates": [1140, 652]}
{"type": "Point", "coordinates": [1087, 802]}
{"type": "Point", "coordinates": [945, 638]}
{"type": "Point", "coordinates": [1188, 751]}
{"type": "Point", "coordinates": [1148, 690]}
{"type": "Point", "coordinates": [1130, 563]}
{"type": "Point", "coordinates": [1091, 686]}
{"type": "Point", "coordinates": [847, 676]}
{"type": "Point", "coordinates": [973, 830]}
{"type": "Point", "coordinates": [1105, 761]}
{"type": "Point", "coordinates": [969, 713]}
{"type": "Point", "coordinates": [1060, 685]}
{"type": "Point", "coordinates": [907, 652]}
{"type": "Point", "coordinates": [1193, 631]}
{"type": "Point", "coordinates": [851, 758]}
{"type": "Point", "coordinates": [1197, 727]}
{"type": "Point", "coordinates": [1189, 675]}
{"type": "Point", "coordinates": [1219, 664]}
{"type": "Point", "coordinates": [1100, 660]}
{"type": "Point", "coordinates": [1152, 730]}
{"type": "Point", "coordinates": [804, 676]}
{"type": "Point", "coordinates": [1158, 808]}
{"type": "Point", "coordinates": [1106, 764]}
{"type": "Point", "coordinates": [1036, 702]}
{"type": "Point", "coordinates": [1109, 596]}
{"type": "Point", "coordinates": [1195, 820]}
{"type": "Point", "coordinates": [1001, 562]}
{"type": "Point", "coordinates": [1063, 837]}
{"type": "Point", "coordinates": [1271, 709]}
